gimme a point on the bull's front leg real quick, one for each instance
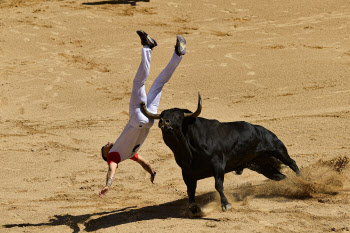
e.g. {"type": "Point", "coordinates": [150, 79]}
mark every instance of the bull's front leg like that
{"type": "Point", "coordinates": [191, 191]}
{"type": "Point", "coordinates": [219, 174]}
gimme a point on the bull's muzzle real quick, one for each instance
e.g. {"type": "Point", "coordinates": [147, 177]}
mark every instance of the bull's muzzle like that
{"type": "Point", "coordinates": [164, 125]}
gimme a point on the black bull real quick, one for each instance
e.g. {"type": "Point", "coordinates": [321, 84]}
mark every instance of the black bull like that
{"type": "Point", "coordinates": [205, 148]}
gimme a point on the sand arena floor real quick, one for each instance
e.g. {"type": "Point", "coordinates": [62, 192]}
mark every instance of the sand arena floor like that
{"type": "Point", "coordinates": [66, 70]}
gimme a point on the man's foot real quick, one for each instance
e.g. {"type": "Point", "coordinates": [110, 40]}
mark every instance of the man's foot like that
{"type": "Point", "coordinates": [146, 40]}
{"type": "Point", "coordinates": [180, 47]}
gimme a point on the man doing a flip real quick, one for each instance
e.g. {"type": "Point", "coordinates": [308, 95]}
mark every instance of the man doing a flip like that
{"type": "Point", "coordinates": [138, 127]}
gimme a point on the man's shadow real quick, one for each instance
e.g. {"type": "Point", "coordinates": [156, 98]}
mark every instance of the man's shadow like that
{"type": "Point", "coordinates": [174, 209]}
{"type": "Point", "coordinates": [119, 2]}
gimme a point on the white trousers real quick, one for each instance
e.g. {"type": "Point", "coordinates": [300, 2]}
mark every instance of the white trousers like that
{"type": "Point", "coordinates": [137, 129]}
{"type": "Point", "coordinates": [152, 99]}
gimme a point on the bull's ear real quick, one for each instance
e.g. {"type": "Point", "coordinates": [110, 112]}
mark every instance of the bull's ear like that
{"type": "Point", "coordinates": [199, 108]}
{"type": "Point", "coordinates": [147, 113]}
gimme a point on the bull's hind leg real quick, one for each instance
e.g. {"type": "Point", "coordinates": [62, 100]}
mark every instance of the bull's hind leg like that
{"type": "Point", "coordinates": [282, 154]}
{"type": "Point", "coordinates": [219, 186]}
{"type": "Point", "coordinates": [191, 192]}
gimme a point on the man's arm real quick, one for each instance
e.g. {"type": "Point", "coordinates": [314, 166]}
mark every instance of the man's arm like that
{"type": "Point", "coordinates": [109, 178]}
{"type": "Point", "coordinates": [147, 166]}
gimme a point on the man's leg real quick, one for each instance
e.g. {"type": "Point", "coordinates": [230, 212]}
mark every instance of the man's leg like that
{"type": "Point", "coordinates": [138, 93]}
{"type": "Point", "coordinates": [154, 94]}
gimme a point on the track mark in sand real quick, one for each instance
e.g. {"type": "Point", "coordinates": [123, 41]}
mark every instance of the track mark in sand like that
{"type": "Point", "coordinates": [344, 113]}
{"type": "Point", "coordinates": [231, 56]}
{"type": "Point", "coordinates": [4, 101]}
{"type": "Point", "coordinates": [315, 19]}
{"type": "Point", "coordinates": [330, 95]}
{"type": "Point", "coordinates": [65, 73]}
{"type": "Point", "coordinates": [321, 96]}
{"type": "Point", "coordinates": [107, 52]}
{"type": "Point", "coordinates": [221, 34]}
{"type": "Point", "coordinates": [48, 88]}
{"type": "Point", "coordinates": [21, 110]}
{"type": "Point", "coordinates": [337, 92]}
{"type": "Point", "coordinates": [57, 80]}
{"type": "Point", "coordinates": [276, 46]}
{"type": "Point", "coordinates": [84, 63]}
{"type": "Point", "coordinates": [253, 82]}
{"type": "Point", "coordinates": [173, 4]}
{"type": "Point", "coordinates": [210, 5]}
{"type": "Point", "coordinates": [10, 169]}
{"type": "Point", "coordinates": [246, 65]}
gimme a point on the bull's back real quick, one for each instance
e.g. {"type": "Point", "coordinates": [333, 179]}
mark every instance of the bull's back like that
{"type": "Point", "coordinates": [222, 137]}
{"type": "Point", "coordinates": [233, 143]}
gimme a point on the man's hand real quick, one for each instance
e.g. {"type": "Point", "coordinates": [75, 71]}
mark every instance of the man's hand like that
{"type": "Point", "coordinates": [152, 177]}
{"type": "Point", "coordinates": [104, 191]}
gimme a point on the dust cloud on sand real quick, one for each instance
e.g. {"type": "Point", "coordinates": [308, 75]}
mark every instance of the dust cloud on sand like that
{"type": "Point", "coordinates": [321, 179]}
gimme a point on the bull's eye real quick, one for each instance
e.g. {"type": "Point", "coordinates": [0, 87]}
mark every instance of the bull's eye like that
{"type": "Point", "coordinates": [167, 121]}
{"type": "Point", "coordinates": [160, 121]}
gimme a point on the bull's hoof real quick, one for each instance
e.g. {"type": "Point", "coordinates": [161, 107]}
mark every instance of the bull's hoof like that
{"type": "Point", "coordinates": [195, 210]}
{"type": "Point", "coordinates": [226, 207]}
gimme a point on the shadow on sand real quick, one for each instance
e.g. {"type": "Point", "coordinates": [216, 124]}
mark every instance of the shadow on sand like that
{"type": "Point", "coordinates": [174, 209]}
{"type": "Point", "coordinates": [120, 2]}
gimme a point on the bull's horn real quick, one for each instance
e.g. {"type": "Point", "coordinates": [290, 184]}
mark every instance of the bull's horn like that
{"type": "Point", "coordinates": [199, 108]}
{"type": "Point", "coordinates": [147, 113]}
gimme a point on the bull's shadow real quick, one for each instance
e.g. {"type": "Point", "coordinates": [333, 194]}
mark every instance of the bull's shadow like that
{"type": "Point", "coordinates": [115, 2]}
{"type": "Point", "coordinates": [174, 209]}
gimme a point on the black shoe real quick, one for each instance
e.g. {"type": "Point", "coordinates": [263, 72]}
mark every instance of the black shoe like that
{"type": "Point", "coordinates": [180, 47]}
{"type": "Point", "coordinates": [146, 39]}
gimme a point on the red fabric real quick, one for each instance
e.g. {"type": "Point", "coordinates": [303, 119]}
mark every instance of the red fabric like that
{"type": "Point", "coordinates": [113, 157]}
{"type": "Point", "coordinates": [135, 157]}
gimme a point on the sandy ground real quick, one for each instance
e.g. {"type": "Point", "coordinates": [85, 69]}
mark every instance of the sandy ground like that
{"type": "Point", "coordinates": [66, 70]}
